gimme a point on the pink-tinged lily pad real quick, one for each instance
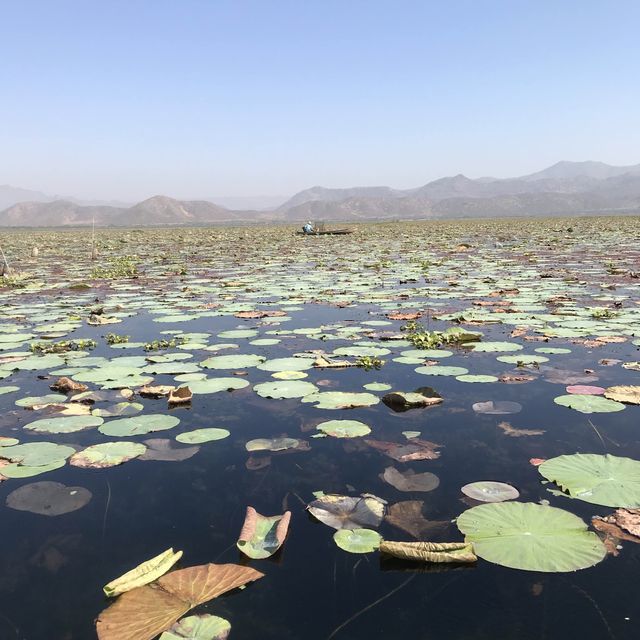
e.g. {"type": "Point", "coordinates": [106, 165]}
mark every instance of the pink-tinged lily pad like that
{"type": "Point", "coordinates": [585, 390]}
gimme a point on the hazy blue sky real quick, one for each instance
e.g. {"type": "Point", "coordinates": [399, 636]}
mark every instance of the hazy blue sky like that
{"type": "Point", "coordinates": [125, 99]}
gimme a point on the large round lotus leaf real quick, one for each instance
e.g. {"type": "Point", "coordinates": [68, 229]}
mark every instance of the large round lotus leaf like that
{"type": "Point", "coordinates": [437, 370]}
{"type": "Point", "coordinates": [34, 363]}
{"type": "Point", "coordinates": [497, 407]}
{"type": "Point", "coordinates": [238, 333]}
{"type": "Point", "coordinates": [423, 354]}
{"type": "Point", "coordinates": [607, 480]}
{"type": "Point", "coordinates": [588, 403]}
{"type": "Point", "coordinates": [532, 537]}
{"type": "Point", "coordinates": [48, 498]}
{"type": "Point", "coordinates": [67, 424]}
{"type": "Point", "coordinates": [5, 390]}
{"type": "Point", "coordinates": [285, 389]}
{"type": "Point", "coordinates": [494, 347]}
{"type": "Point", "coordinates": [344, 428]}
{"type": "Point", "coordinates": [629, 394]}
{"type": "Point", "coordinates": [203, 627]}
{"type": "Point", "coordinates": [489, 491]}
{"type": "Point", "coordinates": [138, 425]}
{"type": "Point", "coordinates": [525, 358]}
{"type": "Point", "coordinates": [119, 409]}
{"type": "Point", "coordinates": [357, 540]}
{"type": "Point", "coordinates": [272, 444]}
{"type": "Point", "coordinates": [341, 400]}
{"type": "Point", "coordinates": [25, 471]}
{"type": "Point", "coordinates": [287, 364]}
{"type": "Point", "coordinates": [171, 368]}
{"type": "Point", "coordinates": [552, 350]}
{"type": "Point", "coordinates": [358, 352]}
{"type": "Point", "coordinates": [289, 375]}
{"type": "Point", "coordinates": [108, 373]}
{"type": "Point", "coordinates": [190, 377]}
{"type": "Point", "coordinates": [476, 378]}
{"type": "Point", "coordinates": [347, 512]}
{"type": "Point", "coordinates": [203, 435]}
{"type": "Point", "coordinates": [232, 362]}
{"type": "Point", "coordinates": [214, 385]}
{"type": "Point", "coordinates": [32, 401]}
{"type": "Point", "coordinates": [36, 454]}
{"type": "Point", "coordinates": [15, 337]}
{"type": "Point", "coordinates": [109, 454]}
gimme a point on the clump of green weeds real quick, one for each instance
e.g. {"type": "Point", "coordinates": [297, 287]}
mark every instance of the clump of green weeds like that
{"type": "Point", "coordinates": [120, 267]}
{"type": "Point", "coordinates": [369, 363]}
{"type": "Point", "coordinates": [422, 338]}
{"type": "Point", "coordinates": [163, 344]}
{"type": "Point", "coordinates": [114, 338]}
{"type": "Point", "coordinates": [62, 346]}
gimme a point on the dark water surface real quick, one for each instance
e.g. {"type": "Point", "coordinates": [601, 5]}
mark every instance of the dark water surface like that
{"type": "Point", "coordinates": [52, 569]}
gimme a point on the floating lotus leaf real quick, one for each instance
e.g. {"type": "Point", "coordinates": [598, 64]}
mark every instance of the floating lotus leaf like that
{"type": "Point", "coordinates": [344, 428]}
{"type": "Point", "coordinates": [262, 536]}
{"type": "Point", "coordinates": [232, 362]}
{"type": "Point", "coordinates": [552, 350]}
{"type": "Point", "coordinates": [358, 352]}
{"type": "Point", "coordinates": [108, 373]}
{"type": "Point", "coordinates": [403, 401]}
{"type": "Point", "coordinates": [445, 552]}
{"type": "Point", "coordinates": [522, 359]}
{"type": "Point", "coordinates": [215, 385]}
{"type": "Point", "coordinates": [51, 398]}
{"type": "Point", "coordinates": [143, 613]}
{"type": "Point", "coordinates": [497, 407]}
{"type": "Point", "coordinates": [48, 498]}
{"type": "Point", "coordinates": [143, 574]}
{"type": "Point", "coordinates": [532, 537]}
{"type": "Point", "coordinates": [287, 364]}
{"type": "Point", "coordinates": [416, 449]}
{"type": "Point", "coordinates": [8, 442]}
{"type": "Point", "coordinates": [424, 354]}
{"type": "Point", "coordinates": [476, 378]}
{"type": "Point", "coordinates": [585, 390]}
{"type": "Point", "coordinates": [289, 375]}
{"type": "Point", "coordinates": [494, 347]}
{"type": "Point", "coordinates": [407, 515]}
{"type": "Point", "coordinates": [607, 480]}
{"type": "Point", "coordinates": [629, 394]}
{"type": "Point", "coordinates": [5, 390]}
{"type": "Point", "coordinates": [108, 454]}
{"type": "Point", "coordinates": [37, 454]}
{"type": "Point", "coordinates": [204, 627]}
{"type": "Point", "coordinates": [357, 540]}
{"type": "Point", "coordinates": [272, 444]}
{"type": "Point", "coordinates": [171, 368]}
{"type": "Point", "coordinates": [410, 480]}
{"type": "Point", "coordinates": [67, 424]}
{"type": "Point", "coordinates": [138, 425]}
{"type": "Point", "coordinates": [341, 400]}
{"type": "Point", "coordinates": [346, 512]}
{"type": "Point", "coordinates": [162, 449]}
{"type": "Point", "coordinates": [376, 386]}
{"type": "Point", "coordinates": [25, 471]}
{"type": "Point", "coordinates": [437, 370]}
{"type": "Point", "coordinates": [285, 389]}
{"type": "Point", "coordinates": [489, 491]}
{"type": "Point", "coordinates": [202, 435]}
{"type": "Point", "coordinates": [238, 333]}
{"type": "Point", "coordinates": [119, 409]}
{"type": "Point", "coordinates": [588, 403]}
{"type": "Point", "coordinates": [91, 397]}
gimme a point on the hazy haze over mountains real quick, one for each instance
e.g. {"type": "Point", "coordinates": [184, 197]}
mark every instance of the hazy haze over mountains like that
{"type": "Point", "coordinates": [566, 188]}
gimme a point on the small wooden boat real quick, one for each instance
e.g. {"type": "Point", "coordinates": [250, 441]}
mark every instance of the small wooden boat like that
{"type": "Point", "coordinates": [326, 232]}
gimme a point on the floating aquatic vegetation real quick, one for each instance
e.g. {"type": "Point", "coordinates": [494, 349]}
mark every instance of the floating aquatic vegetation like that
{"type": "Point", "coordinates": [199, 436]}
{"type": "Point", "coordinates": [588, 403]}
{"type": "Point", "coordinates": [497, 407]}
{"type": "Point", "coordinates": [489, 491]}
{"type": "Point", "coordinates": [203, 627]}
{"type": "Point", "coordinates": [341, 400]}
{"type": "Point", "coordinates": [409, 480]}
{"type": "Point", "coordinates": [48, 498]}
{"type": "Point", "coordinates": [347, 512]}
{"type": "Point", "coordinates": [344, 428]}
{"type": "Point", "coordinates": [163, 449]}
{"type": "Point", "coordinates": [107, 454]}
{"type": "Point", "coordinates": [138, 425]}
{"type": "Point", "coordinates": [262, 536]}
{"type": "Point", "coordinates": [285, 389]}
{"type": "Point", "coordinates": [445, 552]}
{"type": "Point", "coordinates": [357, 540]}
{"type": "Point", "coordinates": [627, 394]}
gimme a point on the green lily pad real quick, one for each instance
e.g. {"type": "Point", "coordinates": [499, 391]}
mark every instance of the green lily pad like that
{"type": "Point", "coordinates": [108, 454]}
{"type": "Point", "coordinates": [289, 375]}
{"type": "Point", "coordinates": [232, 362]}
{"type": "Point", "coordinates": [36, 454]}
{"type": "Point", "coordinates": [376, 386]}
{"type": "Point", "coordinates": [607, 480]}
{"type": "Point", "coordinates": [272, 444]}
{"type": "Point", "coordinates": [5, 390]}
{"type": "Point", "coordinates": [119, 409]}
{"type": "Point", "coordinates": [138, 425]}
{"type": "Point", "coordinates": [285, 389]}
{"type": "Point", "coordinates": [199, 436]}
{"type": "Point", "coordinates": [66, 424]}
{"type": "Point", "coordinates": [287, 364]}
{"type": "Point", "coordinates": [437, 370]}
{"type": "Point", "coordinates": [341, 400]}
{"type": "Point", "coordinates": [494, 347]}
{"type": "Point", "coordinates": [32, 401]}
{"type": "Point", "coordinates": [215, 385]}
{"type": "Point", "coordinates": [357, 540]}
{"type": "Point", "coordinates": [25, 471]}
{"type": "Point", "coordinates": [344, 428]}
{"type": "Point", "coordinates": [588, 403]}
{"type": "Point", "coordinates": [532, 537]}
{"type": "Point", "coordinates": [476, 378]}
{"type": "Point", "coordinates": [525, 358]}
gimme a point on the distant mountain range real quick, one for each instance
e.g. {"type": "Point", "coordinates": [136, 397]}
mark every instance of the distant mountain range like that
{"type": "Point", "coordinates": [566, 188]}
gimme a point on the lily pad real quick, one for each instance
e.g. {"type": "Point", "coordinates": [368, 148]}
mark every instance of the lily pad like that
{"type": "Point", "coordinates": [162, 449]}
{"type": "Point", "coordinates": [357, 540]}
{"type": "Point", "coordinates": [628, 394]}
{"type": "Point", "coordinates": [272, 444]}
{"type": "Point", "coordinates": [138, 425]}
{"type": "Point", "coordinates": [215, 385]}
{"type": "Point", "coordinates": [108, 454]}
{"type": "Point", "coordinates": [203, 627]}
{"type": "Point", "coordinates": [285, 389]}
{"type": "Point", "coordinates": [198, 436]}
{"type": "Point", "coordinates": [36, 454]}
{"type": "Point", "coordinates": [532, 537]}
{"type": "Point", "coordinates": [497, 407]}
{"type": "Point", "coordinates": [287, 364]}
{"type": "Point", "coordinates": [607, 480]}
{"type": "Point", "coordinates": [344, 428]}
{"type": "Point", "coordinates": [341, 400]}
{"type": "Point", "coordinates": [438, 370]}
{"type": "Point", "coordinates": [489, 491]}
{"type": "Point", "coordinates": [232, 362]}
{"type": "Point", "coordinates": [588, 403]}
{"type": "Point", "coordinates": [48, 498]}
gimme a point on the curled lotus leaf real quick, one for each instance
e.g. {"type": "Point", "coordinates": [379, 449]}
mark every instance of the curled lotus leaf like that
{"type": "Point", "coordinates": [347, 512]}
{"type": "Point", "coordinates": [138, 425]}
{"type": "Point", "coordinates": [607, 480]}
{"type": "Point", "coordinates": [489, 491]}
{"type": "Point", "coordinates": [145, 612]}
{"type": "Point", "coordinates": [628, 394]}
{"type": "Point", "coordinates": [588, 403]}
{"type": "Point", "coordinates": [357, 540]}
{"type": "Point", "coordinates": [107, 454]}
{"type": "Point", "coordinates": [143, 574]}
{"type": "Point", "coordinates": [403, 401]}
{"type": "Point", "coordinates": [203, 627]}
{"type": "Point", "coordinates": [529, 536]}
{"type": "Point", "coordinates": [444, 552]}
{"type": "Point", "coordinates": [48, 498]}
{"type": "Point", "coordinates": [415, 449]}
{"type": "Point", "coordinates": [262, 536]}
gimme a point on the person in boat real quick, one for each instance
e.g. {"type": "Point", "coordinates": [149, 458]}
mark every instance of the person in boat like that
{"type": "Point", "coordinates": [308, 228]}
